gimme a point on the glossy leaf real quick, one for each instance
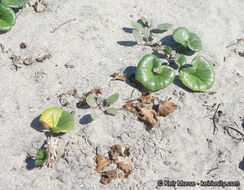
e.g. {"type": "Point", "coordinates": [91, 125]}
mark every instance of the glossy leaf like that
{"type": "Point", "coordinates": [136, 25]}
{"type": "Point", "coordinates": [112, 111]}
{"type": "Point", "coordinates": [181, 35]}
{"type": "Point", "coordinates": [90, 100]}
{"type": "Point", "coordinates": [151, 74]}
{"type": "Point", "coordinates": [14, 3]}
{"type": "Point", "coordinates": [94, 115]}
{"type": "Point", "coordinates": [57, 120]}
{"type": "Point", "coordinates": [164, 27]}
{"type": "Point", "coordinates": [146, 32]}
{"type": "Point", "coordinates": [41, 157]}
{"type": "Point", "coordinates": [194, 42]}
{"type": "Point", "coordinates": [7, 18]}
{"type": "Point", "coordinates": [200, 77]}
{"type": "Point", "coordinates": [167, 50]}
{"type": "Point", "coordinates": [113, 98]}
{"type": "Point", "coordinates": [180, 60]}
{"type": "Point", "coordinates": [137, 35]}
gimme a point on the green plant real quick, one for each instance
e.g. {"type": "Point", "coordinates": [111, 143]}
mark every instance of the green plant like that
{"type": "Point", "coordinates": [7, 18]}
{"type": "Point", "coordinates": [95, 101]}
{"type": "Point", "coordinates": [143, 30]}
{"type": "Point", "coordinates": [41, 157]}
{"type": "Point", "coordinates": [57, 120]}
{"type": "Point", "coordinates": [14, 3]}
{"type": "Point", "coordinates": [152, 74]}
{"type": "Point", "coordinates": [187, 39]}
{"type": "Point", "coordinates": [7, 15]}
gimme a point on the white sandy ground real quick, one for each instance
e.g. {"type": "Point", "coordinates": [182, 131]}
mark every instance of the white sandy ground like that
{"type": "Point", "coordinates": [90, 44]}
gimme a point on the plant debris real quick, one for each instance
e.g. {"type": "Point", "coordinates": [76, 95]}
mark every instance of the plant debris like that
{"type": "Point", "coordinates": [102, 162]}
{"type": "Point", "coordinates": [118, 76]}
{"type": "Point", "coordinates": [63, 97]}
{"type": "Point", "coordinates": [52, 149]}
{"type": "Point", "coordinates": [16, 62]}
{"type": "Point", "coordinates": [28, 61]}
{"type": "Point", "coordinates": [130, 107]}
{"type": "Point", "coordinates": [166, 107]}
{"type": "Point", "coordinates": [214, 119]}
{"type": "Point", "coordinates": [148, 115]}
{"type": "Point", "coordinates": [62, 25]}
{"type": "Point", "coordinates": [37, 4]}
{"type": "Point", "coordinates": [43, 58]}
{"type": "Point", "coordinates": [23, 45]}
{"type": "Point", "coordinates": [108, 176]}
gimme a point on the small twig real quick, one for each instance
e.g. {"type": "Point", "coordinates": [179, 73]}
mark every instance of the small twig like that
{"type": "Point", "coordinates": [62, 25]}
{"type": "Point", "coordinates": [132, 93]}
{"type": "Point", "coordinates": [236, 130]}
{"type": "Point", "coordinates": [214, 119]}
{"type": "Point", "coordinates": [209, 171]}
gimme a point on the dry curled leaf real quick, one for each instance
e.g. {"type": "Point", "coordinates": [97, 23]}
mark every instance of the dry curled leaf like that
{"type": "Point", "coordinates": [43, 58]}
{"type": "Point", "coordinates": [118, 76]}
{"type": "Point", "coordinates": [148, 115]}
{"type": "Point", "coordinates": [166, 107]}
{"type": "Point", "coordinates": [101, 163]}
{"type": "Point", "coordinates": [147, 99]}
{"type": "Point", "coordinates": [28, 61]}
{"type": "Point", "coordinates": [108, 176]}
{"type": "Point", "coordinates": [115, 152]}
{"type": "Point", "coordinates": [23, 45]}
{"type": "Point", "coordinates": [38, 3]}
{"type": "Point", "coordinates": [129, 107]}
{"type": "Point", "coordinates": [63, 97]}
{"type": "Point", "coordinates": [125, 168]}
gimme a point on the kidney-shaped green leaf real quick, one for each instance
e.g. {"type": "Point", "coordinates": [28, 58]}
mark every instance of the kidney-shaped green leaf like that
{"type": "Point", "coordinates": [180, 60]}
{"type": "Point", "coordinates": [14, 3]}
{"type": "Point", "coordinates": [57, 120]}
{"type": "Point", "coordinates": [152, 75]}
{"type": "Point", "coordinates": [181, 35]}
{"type": "Point", "coordinates": [194, 42]}
{"type": "Point", "coordinates": [41, 157]}
{"type": "Point", "coordinates": [7, 18]}
{"type": "Point", "coordinates": [200, 77]}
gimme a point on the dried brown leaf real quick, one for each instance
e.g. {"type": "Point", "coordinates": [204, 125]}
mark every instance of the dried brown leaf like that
{"type": "Point", "coordinates": [166, 107]}
{"type": "Point", "coordinates": [108, 176]}
{"type": "Point", "coordinates": [43, 58]}
{"type": "Point", "coordinates": [118, 76]}
{"type": "Point", "coordinates": [96, 91]}
{"type": "Point", "coordinates": [38, 3]}
{"type": "Point", "coordinates": [125, 168]}
{"type": "Point", "coordinates": [148, 115]}
{"type": "Point", "coordinates": [129, 107]}
{"type": "Point", "coordinates": [147, 99]}
{"type": "Point", "coordinates": [116, 150]}
{"type": "Point", "coordinates": [125, 151]}
{"type": "Point", "coordinates": [101, 163]}
{"type": "Point", "coordinates": [28, 61]}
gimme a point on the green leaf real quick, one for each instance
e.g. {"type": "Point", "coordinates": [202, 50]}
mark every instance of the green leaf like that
{"type": "Point", "coordinates": [164, 27]}
{"type": "Point", "coordinates": [100, 100]}
{"type": "Point", "coordinates": [144, 21]}
{"type": "Point", "coordinates": [146, 32]}
{"type": "Point", "coordinates": [180, 60]}
{"type": "Point", "coordinates": [194, 42]}
{"type": "Point", "coordinates": [200, 77]}
{"type": "Point", "coordinates": [167, 50]}
{"type": "Point", "coordinates": [41, 157]}
{"type": "Point", "coordinates": [137, 35]}
{"type": "Point", "coordinates": [150, 23]}
{"type": "Point", "coordinates": [112, 111]}
{"type": "Point", "coordinates": [181, 35]}
{"type": "Point", "coordinates": [136, 26]}
{"type": "Point", "coordinates": [94, 115]}
{"type": "Point", "coordinates": [113, 98]}
{"type": "Point", "coordinates": [14, 3]}
{"type": "Point", "coordinates": [152, 74]}
{"type": "Point", "coordinates": [90, 100]}
{"type": "Point", "coordinates": [7, 18]}
{"type": "Point", "coordinates": [57, 120]}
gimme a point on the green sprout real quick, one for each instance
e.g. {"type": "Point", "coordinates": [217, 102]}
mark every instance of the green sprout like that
{"type": "Point", "coordinates": [41, 157]}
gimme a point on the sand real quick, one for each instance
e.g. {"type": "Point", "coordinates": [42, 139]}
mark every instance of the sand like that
{"type": "Point", "coordinates": [181, 147]}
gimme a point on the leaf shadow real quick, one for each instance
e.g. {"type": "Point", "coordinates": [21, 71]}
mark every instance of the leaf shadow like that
{"type": "Point", "coordinates": [178, 83]}
{"type": "Point", "coordinates": [127, 30]}
{"type": "Point", "coordinates": [241, 164]}
{"type": "Point", "coordinates": [86, 119]}
{"type": "Point", "coordinates": [126, 43]}
{"type": "Point", "coordinates": [35, 124]}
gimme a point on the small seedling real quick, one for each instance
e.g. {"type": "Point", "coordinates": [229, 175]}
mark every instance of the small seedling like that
{"type": "Point", "coordinates": [143, 30]}
{"type": "Point", "coordinates": [41, 157]}
{"type": "Point", "coordinates": [100, 103]}
{"type": "Point", "coordinates": [57, 120]}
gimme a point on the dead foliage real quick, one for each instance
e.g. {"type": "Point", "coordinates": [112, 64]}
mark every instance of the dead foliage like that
{"type": "Point", "coordinates": [118, 76]}
{"type": "Point", "coordinates": [63, 98]}
{"type": "Point", "coordinates": [40, 6]}
{"type": "Point", "coordinates": [102, 162]}
{"type": "Point", "coordinates": [43, 58]}
{"type": "Point", "coordinates": [108, 176]}
{"type": "Point", "coordinates": [166, 107]}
